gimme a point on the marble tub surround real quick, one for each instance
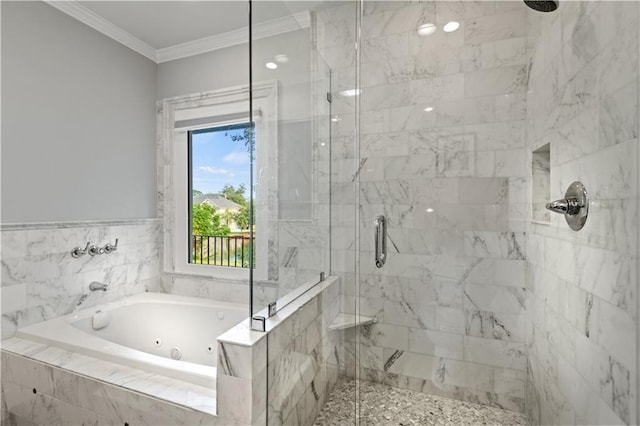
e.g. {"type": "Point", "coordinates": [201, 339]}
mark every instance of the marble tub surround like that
{"type": "Point", "coordinates": [41, 280]}
{"type": "Point", "coordinates": [75, 389]}
{"type": "Point", "coordinates": [582, 286]}
{"type": "Point", "coordinates": [282, 376]}
{"type": "Point", "coordinates": [385, 405]}
{"type": "Point", "coordinates": [223, 290]}
{"type": "Point", "coordinates": [451, 181]}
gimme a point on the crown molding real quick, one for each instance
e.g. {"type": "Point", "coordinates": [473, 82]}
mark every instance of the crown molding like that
{"type": "Point", "coordinates": [98, 23]}
{"type": "Point", "coordinates": [196, 47]}
{"type": "Point", "coordinates": [235, 37]}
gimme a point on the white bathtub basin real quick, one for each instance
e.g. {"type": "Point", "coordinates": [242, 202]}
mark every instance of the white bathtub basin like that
{"type": "Point", "coordinates": [144, 329]}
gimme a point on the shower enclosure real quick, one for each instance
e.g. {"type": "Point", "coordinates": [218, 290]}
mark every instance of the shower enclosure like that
{"type": "Point", "coordinates": [455, 123]}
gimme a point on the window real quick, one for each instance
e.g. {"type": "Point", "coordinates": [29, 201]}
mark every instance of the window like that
{"type": "Point", "coordinates": [185, 122]}
{"type": "Point", "coordinates": [219, 165]}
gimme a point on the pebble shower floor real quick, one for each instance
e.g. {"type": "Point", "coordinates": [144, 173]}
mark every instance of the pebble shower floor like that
{"type": "Point", "coordinates": [386, 405]}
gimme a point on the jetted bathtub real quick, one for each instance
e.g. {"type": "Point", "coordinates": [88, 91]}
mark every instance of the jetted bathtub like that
{"type": "Point", "coordinates": [174, 336]}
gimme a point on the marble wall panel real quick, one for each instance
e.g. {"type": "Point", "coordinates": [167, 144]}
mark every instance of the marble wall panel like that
{"type": "Point", "coordinates": [581, 321]}
{"type": "Point", "coordinates": [34, 392]}
{"type": "Point", "coordinates": [450, 182]}
{"type": "Point", "coordinates": [41, 280]}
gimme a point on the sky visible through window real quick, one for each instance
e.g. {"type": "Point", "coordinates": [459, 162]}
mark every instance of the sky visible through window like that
{"type": "Point", "coordinates": [217, 160]}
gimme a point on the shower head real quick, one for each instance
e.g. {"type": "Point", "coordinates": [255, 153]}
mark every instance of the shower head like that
{"type": "Point", "coordinates": [542, 5]}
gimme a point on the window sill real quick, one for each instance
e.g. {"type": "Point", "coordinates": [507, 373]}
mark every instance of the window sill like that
{"type": "Point", "coordinates": [214, 272]}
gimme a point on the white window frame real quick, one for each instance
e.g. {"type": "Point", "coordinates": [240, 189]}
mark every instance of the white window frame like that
{"type": "Point", "coordinates": [213, 109]}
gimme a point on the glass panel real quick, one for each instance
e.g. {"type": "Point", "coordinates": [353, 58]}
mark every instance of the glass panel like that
{"type": "Point", "coordinates": [308, 171]}
{"type": "Point", "coordinates": [475, 301]}
{"type": "Point", "coordinates": [290, 83]}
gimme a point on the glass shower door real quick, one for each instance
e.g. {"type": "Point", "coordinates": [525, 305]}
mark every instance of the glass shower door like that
{"type": "Point", "coordinates": [294, 198]}
{"type": "Point", "coordinates": [466, 133]}
{"type": "Point", "coordinates": [441, 154]}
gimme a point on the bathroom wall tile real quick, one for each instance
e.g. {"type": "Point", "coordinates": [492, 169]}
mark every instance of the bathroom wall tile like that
{"type": "Point", "coordinates": [304, 369]}
{"type": "Point", "coordinates": [618, 123]}
{"type": "Point", "coordinates": [469, 151]}
{"type": "Point", "coordinates": [45, 281]}
{"type": "Point", "coordinates": [498, 81]}
{"type": "Point", "coordinates": [615, 328]}
{"type": "Point", "coordinates": [493, 325]}
{"type": "Point", "coordinates": [502, 245]}
{"type": "Point", "coordinates": [580, 279]}
{"type": "Point", "coordinates": [495, 352]}
{"type": "Point", "coordinates": [13, 297]}
{"type": "Point", "coordinates": [41, 409]}
{"type": "Point", "coordinates": [509, 382]}
{"type": "Point", "coordinates": [69, 394]}
{"type": "Point", "coordinates": [464, 374]}
{"type": "Point", "coordinates": [446, 345]}
{"type": "Point", "coordinates": [495, 27]}
{"type": "Point", "coordinates": [508, 300]}
{"type": "Point", "coordinates": [234, 399]}
{"type": "Point", "coordinates": [409, 364]}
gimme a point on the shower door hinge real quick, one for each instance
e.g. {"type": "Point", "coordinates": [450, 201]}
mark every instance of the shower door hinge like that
{"type": "Point", "coordinates": [272, 309]}
{"type": "Point", "coordinates": [258, 323]}
{"type": "Point", "coordinates": [329, 97]}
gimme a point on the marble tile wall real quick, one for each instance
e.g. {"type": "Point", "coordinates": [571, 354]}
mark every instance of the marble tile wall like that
{"type": "Point", "coordinates": [581, 286]}
{"type": "Point", "coordinates": [41, 280]}
{"type": "Point", "coordinates": [286, 375]}
{"type": "Point", "coordinates": [304, 361]}
{"type": "Point", "coordinates": [36, 393]}
{"type": "Point", "coordinates": [450, 300]}
{"type": "Point", "coordinates": [224, 290]}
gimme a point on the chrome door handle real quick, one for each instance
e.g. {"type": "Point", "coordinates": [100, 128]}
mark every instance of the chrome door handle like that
{"type": "Point", "coordinates": [380, 240]}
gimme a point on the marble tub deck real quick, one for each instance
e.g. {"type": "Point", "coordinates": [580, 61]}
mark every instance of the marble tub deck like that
{"type": "Point", "coordinates": [386, 405]}
{"type": "Point", "coordinates": [185, 394]}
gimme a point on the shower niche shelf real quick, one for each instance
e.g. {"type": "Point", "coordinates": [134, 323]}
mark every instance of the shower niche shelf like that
{"type": "Point", "coordinates": [541, 179]}
{"type": "Point", "coordinates": [343, 321]}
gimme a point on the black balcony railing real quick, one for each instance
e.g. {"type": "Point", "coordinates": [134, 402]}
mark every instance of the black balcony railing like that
{"type": "Point", "coordinates": [221, 250]}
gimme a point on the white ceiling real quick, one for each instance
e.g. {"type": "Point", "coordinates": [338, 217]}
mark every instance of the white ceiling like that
{"type": "Point", "coordinates": [169, 30]}
{"type": "Point", "coordinates": [162, 24]}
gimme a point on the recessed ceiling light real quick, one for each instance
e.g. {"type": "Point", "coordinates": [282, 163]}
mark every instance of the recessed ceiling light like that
{"type": "Point", "coordinates": [281, 58]}
{"type": "Point", "coordinates": [428, 109]}
{"type": "Point", "coordinates": [427, 29]}
{"type": "Point", "coordinates": [350, 92]}
{"type": "Point", "coordinates": [336, 118]}
{"type": "Point", "coordinates": [271, 65]}
{"type": "Point", "coordinates": [429, 210]}
{"type": "Point", "coordinates": [451, 27]}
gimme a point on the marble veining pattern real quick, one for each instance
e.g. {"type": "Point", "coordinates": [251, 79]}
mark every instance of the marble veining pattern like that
{"type": "Point", "coordinates": [581, 321]}
{"type": "Point", "coordinates": [451, 180]}
{"type": "Point", "coordinates": [41, 280]}
{"type": "Point", "coordinates": [148, 383]}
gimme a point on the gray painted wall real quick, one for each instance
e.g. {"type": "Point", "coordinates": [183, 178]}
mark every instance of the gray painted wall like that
{"type": "Point", "coordinates": [78, 121]}
{"type": "Point", "coordinates": [209, 71]}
